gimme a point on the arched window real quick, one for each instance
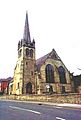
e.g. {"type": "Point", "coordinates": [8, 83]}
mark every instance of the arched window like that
{"type": "Point", "coordinates": [31, 53]}
{"type": "Point", "coordinates": [62, 77]}
{"type": "Point", "coordinates": [27, 52]}
{"type": "Point", "coordinates": [49, 74]}
{"type": "Point", "coordinates": [20, 53]}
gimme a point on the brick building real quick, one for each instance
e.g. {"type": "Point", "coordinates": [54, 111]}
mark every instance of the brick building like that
{"type": "Point", "coordinates": [0, 86]}
{"type": "Point", "coordinates": [4, 85]}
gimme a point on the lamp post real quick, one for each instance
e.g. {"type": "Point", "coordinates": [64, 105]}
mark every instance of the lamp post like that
{"type": "Point", "coordinates": [36, 82]}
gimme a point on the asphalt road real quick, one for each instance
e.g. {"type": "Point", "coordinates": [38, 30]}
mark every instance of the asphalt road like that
{"type": "Point", "coordinates": [30, 111]}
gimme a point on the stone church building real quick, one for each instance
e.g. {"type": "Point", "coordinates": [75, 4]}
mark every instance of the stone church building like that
{"type": "Point", "coordinates": [47, 74]}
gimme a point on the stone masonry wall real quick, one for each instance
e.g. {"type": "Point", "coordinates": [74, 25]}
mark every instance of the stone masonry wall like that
{"type": "Point", "coordinates": [71, 98]}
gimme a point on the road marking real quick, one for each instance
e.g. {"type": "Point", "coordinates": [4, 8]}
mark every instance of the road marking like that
{"type": "Point", "coordinates": [60, 118]}
{"type": "Point", "coordinates": [18, 108]}
{"type": "Point", "coordinates": [58, 107]}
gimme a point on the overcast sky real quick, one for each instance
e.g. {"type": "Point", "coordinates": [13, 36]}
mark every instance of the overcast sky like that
{"type": "Point", "coordinates": [53, 24]}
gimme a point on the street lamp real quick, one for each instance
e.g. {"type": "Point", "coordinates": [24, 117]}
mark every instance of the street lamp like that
{"type": "Point", "coordinates": [36, 82]}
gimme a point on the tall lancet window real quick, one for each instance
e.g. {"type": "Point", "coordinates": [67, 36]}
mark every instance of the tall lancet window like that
{"type": "Point", "coordinates": [31, 53]}
{"type": "Point", "coordinates": [62, 76]}
{"type": "Point", "coordinates": [49, 74]}
{"type": "Point", "coordinates": [27, 52]}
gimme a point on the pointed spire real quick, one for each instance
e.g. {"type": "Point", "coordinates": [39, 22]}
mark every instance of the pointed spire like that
{"type": "Point", "coordinates": [26, 35]}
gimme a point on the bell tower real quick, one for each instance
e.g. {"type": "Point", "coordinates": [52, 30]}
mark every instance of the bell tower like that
{"type": "Point", "coordinates": [24, 77]}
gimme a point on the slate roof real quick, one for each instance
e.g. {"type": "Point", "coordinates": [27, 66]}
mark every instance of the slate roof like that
{"type": "Point", "coordinates": [6, 79]}
{"type": "Point", "coordinates": [52, 55]}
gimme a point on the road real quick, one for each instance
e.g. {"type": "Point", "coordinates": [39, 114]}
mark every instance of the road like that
{"type": "Point", "coordinates": [30, 111]}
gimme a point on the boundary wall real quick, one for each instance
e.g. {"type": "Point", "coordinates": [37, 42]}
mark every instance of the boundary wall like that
{"type": "Point", "coordinates": [54, 98]}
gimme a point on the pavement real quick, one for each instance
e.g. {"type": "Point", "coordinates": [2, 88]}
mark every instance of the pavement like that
{"type": "Point", "coordinates": [77, 106]}
{"type": "Point", "coordinates": [69, 105]}
{"type": "Point", "coordinates": [62, 104]}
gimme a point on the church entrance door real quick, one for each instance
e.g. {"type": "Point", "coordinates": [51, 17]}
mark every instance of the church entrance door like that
{"type": "Point", "coordinates": [29, 88]}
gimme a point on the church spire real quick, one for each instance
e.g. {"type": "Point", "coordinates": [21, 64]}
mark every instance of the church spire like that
{"type": "Point", "coordinates": [26, 35]}
{"type": "Point", "coordinates": [26, 41]}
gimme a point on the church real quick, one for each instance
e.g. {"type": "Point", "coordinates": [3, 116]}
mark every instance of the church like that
{"type": "Point", "coordinates": [46, 75]}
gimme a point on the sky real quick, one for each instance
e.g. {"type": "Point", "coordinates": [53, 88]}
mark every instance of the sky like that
{"type": "Point", "coordinates": [53, 24]}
